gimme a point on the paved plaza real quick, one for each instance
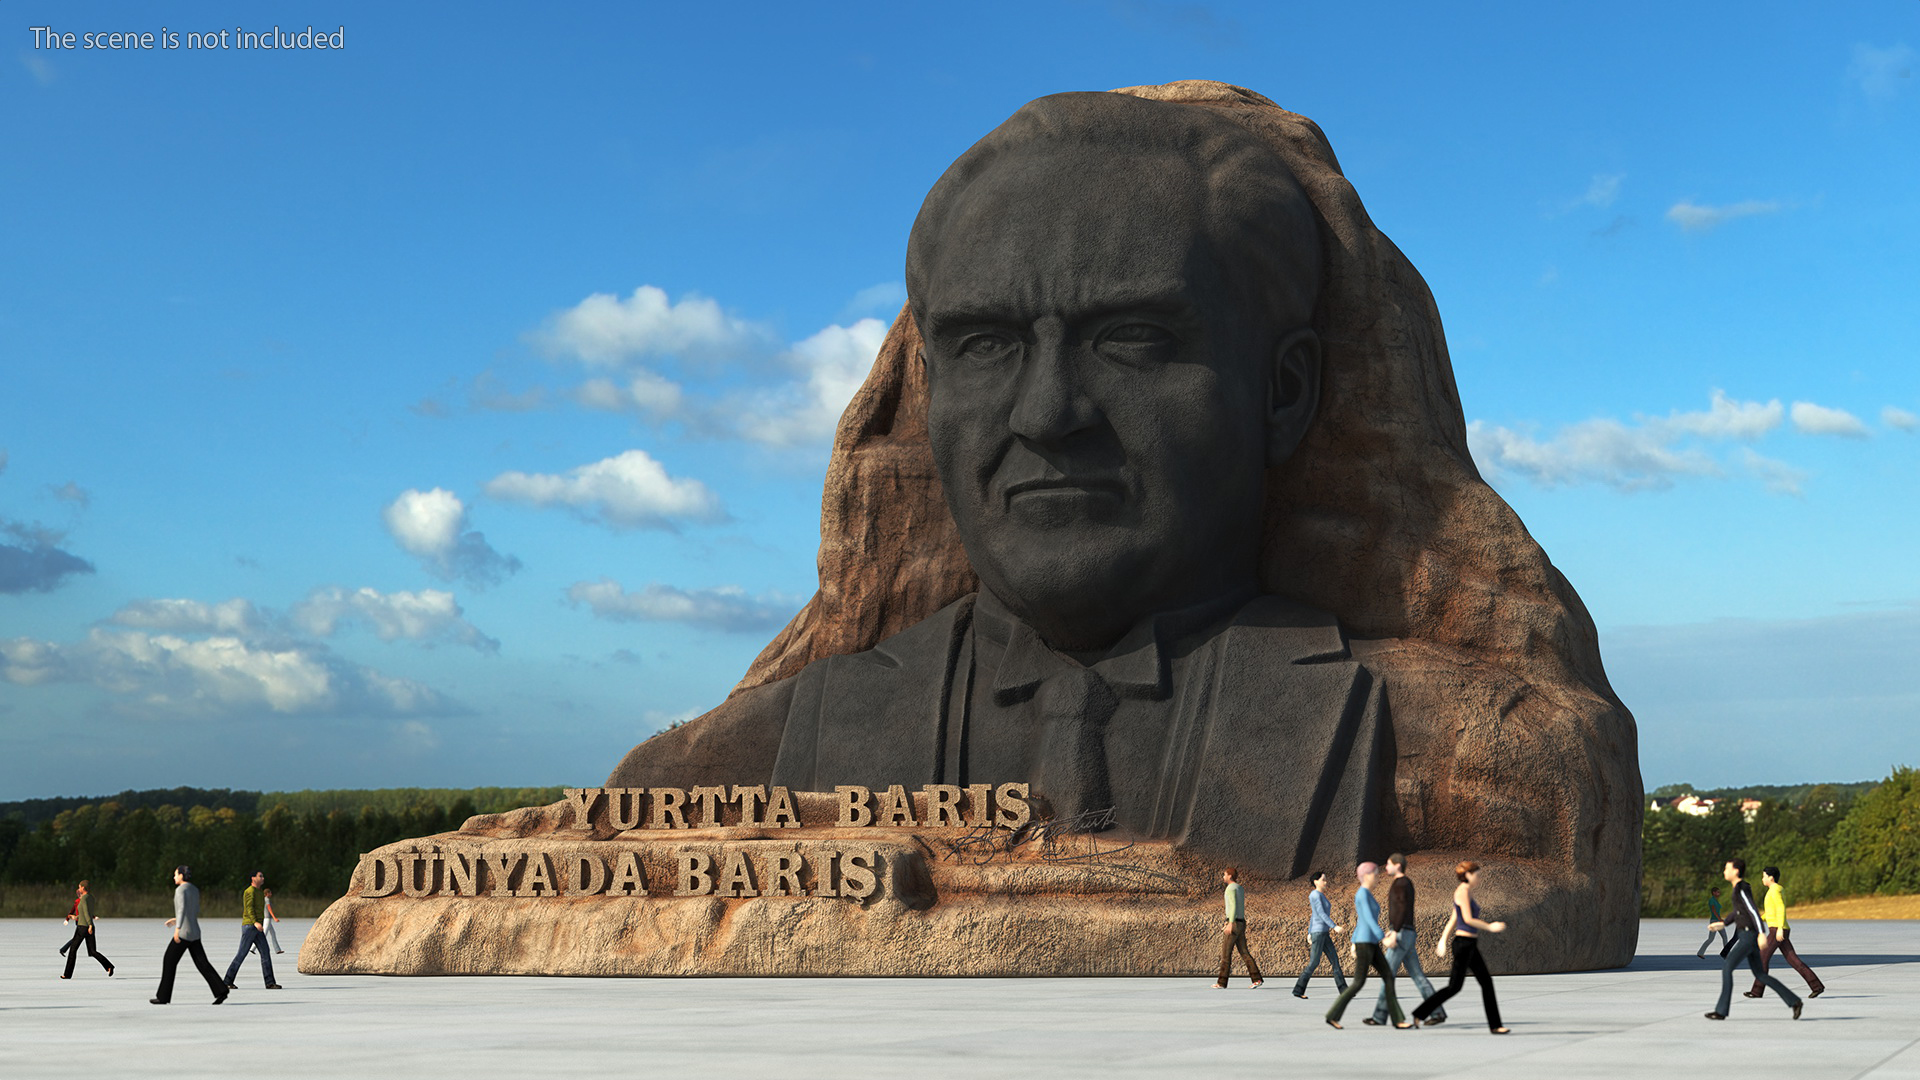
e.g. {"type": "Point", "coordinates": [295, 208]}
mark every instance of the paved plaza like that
{"type": "Point", "coordinates": [1644, 1020]}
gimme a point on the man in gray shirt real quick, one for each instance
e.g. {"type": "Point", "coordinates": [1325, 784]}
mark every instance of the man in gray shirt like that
{"type": "Point", "coordinates": [186, 939]}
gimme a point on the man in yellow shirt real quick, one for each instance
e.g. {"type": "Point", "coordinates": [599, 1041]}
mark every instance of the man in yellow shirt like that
{"type": "Point", "coordinates": [1774, 911]}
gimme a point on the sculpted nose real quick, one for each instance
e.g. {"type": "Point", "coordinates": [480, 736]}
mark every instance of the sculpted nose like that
{"type": "Point", "coordinates": [1050, 403]}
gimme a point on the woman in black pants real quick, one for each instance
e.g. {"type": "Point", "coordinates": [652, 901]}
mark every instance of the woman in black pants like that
{"type": "Point", "coordinates": [82, 919]}
{"type": "Point", "coordinates": [1463, 931]}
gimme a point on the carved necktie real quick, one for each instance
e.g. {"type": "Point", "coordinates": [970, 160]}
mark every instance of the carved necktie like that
{"type": "Point", "coordinates": [1075, 705]}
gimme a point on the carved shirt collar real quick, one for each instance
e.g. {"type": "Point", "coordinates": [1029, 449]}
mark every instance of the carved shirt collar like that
{"type": "Point", "coordinates": [1136, 667]}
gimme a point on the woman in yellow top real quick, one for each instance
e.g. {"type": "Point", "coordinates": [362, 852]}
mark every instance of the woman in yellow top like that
{"type": "Point", "coordinates": [82, 919]}
{"type": "Point", "coordinates": [1774, 912]}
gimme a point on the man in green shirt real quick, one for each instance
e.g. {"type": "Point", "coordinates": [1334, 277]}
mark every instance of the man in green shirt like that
{"type": "Point", "coordinates": [1234, 933]}
{"type": "Point", "coordinates": [253, 935]}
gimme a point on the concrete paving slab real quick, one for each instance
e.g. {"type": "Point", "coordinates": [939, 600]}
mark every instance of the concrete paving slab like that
{"type": "Point", "coordinates": [1644, 1020]}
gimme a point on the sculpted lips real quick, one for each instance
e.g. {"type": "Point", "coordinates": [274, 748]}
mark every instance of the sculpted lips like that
{"type": "Point", "coordinates": [1067, 486]}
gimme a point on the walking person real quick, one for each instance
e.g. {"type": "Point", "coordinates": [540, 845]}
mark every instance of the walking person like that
{"type": "Point", "coordinates": [186, 939]}
{"type": "Point", "coordinates": [1366, 950]}
{"type": "Point", "coordinates": [1320, 929]}
{"type": "Point", "coordinates": [1713, 916]}
{"type": "Point", "coordinates": [82, 919]}
{"type": "Point", "coordinates": [1463, 931]}
{"type": "Point", "coordinates": [253, 934]}
{"type": "Point", "coordinates": [1774, 911]}
{"type": "Point", "coordinates": [272, 934]}
{"type": "Point", "coordinates": [1234, 934]}
{"type": "Point", "coordinates": [1746, 948]}
{"type": "Point", "coordinates": [1401, 939]}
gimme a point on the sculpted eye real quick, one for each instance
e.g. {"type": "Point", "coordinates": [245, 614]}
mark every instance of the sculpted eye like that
{"type": "Point", "coordinates": [986, 347]}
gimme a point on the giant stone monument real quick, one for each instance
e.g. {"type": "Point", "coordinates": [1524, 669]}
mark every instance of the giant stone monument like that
{"type": "Point", "coordinates": [1151, 545]}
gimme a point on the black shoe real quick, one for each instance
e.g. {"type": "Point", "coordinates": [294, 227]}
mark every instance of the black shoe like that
{"type": "Point", "coordinates": [1300, 995]}
{"type": "Point", "coordinates": [221, 1000]}
{"type": "Point", "coordinates": [230, 986]}
{"type": "Point", "coordinates": [1751, 994]}
{"type": "Point", "coordinates": [66, 976]}
{"type": "Point", "coordinates": [275, 986]}
{"type": "Point", "coordinates": [1716, 1016]}
{"type": "Point", "coordinates": [1796, 1009]}
{"type": "Point", "coordinates": [1432, 1020]}
{"type": "Point", "coordinates": [1818, 992]}
{"type": "Point", "coordinates": [109, 971]}
{"type": "Point", "coordinates": [1371, 1022]}
{"type": "Point", "coordinates": [156, 1001]}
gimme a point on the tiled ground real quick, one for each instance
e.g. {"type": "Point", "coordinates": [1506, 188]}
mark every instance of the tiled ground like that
{"type": "Point", "coordinates": [1644, 1020]}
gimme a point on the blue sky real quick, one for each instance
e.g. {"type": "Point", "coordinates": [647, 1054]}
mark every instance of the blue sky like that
{"type": "Point", "coordinates": [451, 408]}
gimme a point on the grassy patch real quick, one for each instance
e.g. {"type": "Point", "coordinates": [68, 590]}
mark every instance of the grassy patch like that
{"type": "Point", "coordinates": [1858, 907]}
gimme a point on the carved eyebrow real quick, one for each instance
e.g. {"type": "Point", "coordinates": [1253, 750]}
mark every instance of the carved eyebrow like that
{"type": "Point", "coordinates": [958, 320]}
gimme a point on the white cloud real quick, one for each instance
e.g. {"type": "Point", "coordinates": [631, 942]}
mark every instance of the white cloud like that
{"type": "Point", "coordinates": [433, 525]}
{"type": "Point", "coordinates": [603, 329]}
{"type": "Point", "coordinates": [1726, 418]}
{"type": "Point", "coordinates": [1895, 417]}
{"type": "Point", "coordinates": [884, 300]}
{"type": "Point", "coordinates": [1880, 73]}
{"type": "Point", "coordinates": [219, 675]}
{"type": "Point", "coordinates": [832, 363]}
{"type": "Point", "coordinates": [1601, 450]}
{"type": "Point", "coordinates": [726, 608]}
{"type": "Point", "coordinates": [1652, 452]}
{"type": "Point", "coordinates": [237, 617]}
{"type": "Point", "coordinates": [427, 615]}
{"type": "Point", "coordinates": [1811, 419]}
{"type": "Point", "coordinates": [42, 72]}
{"type": "Point", "coordinates": [631, 490]}
{"type": "Point", "coordinates": [1697, 217]}
{"type": "Point", "coordinates": [650, 394]}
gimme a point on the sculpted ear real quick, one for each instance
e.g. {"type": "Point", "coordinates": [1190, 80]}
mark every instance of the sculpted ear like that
{"type": "Point", "coordinates": [1293, 393]}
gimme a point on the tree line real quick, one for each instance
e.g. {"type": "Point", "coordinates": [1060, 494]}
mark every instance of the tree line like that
{"type": "Point", "coordinates": [1834, 840]}
{"type": "Point", "coordinates": [310, 851]}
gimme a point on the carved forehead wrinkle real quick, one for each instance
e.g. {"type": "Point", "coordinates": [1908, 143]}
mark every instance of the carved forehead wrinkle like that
{"type": "Point", "coordinates": [1262, 227]}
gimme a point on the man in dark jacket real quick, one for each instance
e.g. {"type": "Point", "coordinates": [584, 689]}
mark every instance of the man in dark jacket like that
{"type": "Point", "coordinates": [1401, 941]}
{"type": "Point", "coordinates": [1746, 944]}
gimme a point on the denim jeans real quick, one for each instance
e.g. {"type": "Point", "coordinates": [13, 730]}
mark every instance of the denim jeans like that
{"type": "Point", "coordinates": [1322, 945]}
{"type": "Point", "coordinates": [1746, 950]}
{"type": "Point", "coordinates": [1406, 950]}
{"type": "Point", "coordinates": [252, 938]}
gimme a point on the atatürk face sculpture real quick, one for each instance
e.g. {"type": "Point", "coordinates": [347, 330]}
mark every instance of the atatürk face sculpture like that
{"type": "Point", "coordinates": [1108, 382]}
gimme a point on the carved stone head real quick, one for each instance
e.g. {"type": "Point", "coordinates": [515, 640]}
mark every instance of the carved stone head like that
{"type": "Point", "coordinates": [1116, 298]}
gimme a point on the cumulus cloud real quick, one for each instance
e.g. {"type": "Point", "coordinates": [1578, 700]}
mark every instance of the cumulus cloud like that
{"type": "Point", "coordinates": [429, 615]}
{"type": "Point", "coordinates": [433, 526]}
{"type": "Point", "coordinates": [1895, 417]}
{"type": "Point", "coordinates": [831, 366]}
{"type": "Point", "coordinates": [1812, 419]}
{"type": "Point", "coordinates": [220, 675]}
{"type": "Point", "coordinates": [1645, 455]}
{"type": "Point", "coordinates": [237, 617]}
{"type": "Point", "coordinates": [727, 608]}
{"type": "Point", "coordinates": [34, 561]}
{"type": "Point", "coordinates": [1698, 217]}
{"type": "Point", "coordinates": [627, 491]}
{"type": "Point", "coordinates": [1880, 73]}
{"type": "Point", "coordinates": [604, 329]}
{"type": "Point", "coordinates": [648, 393]}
